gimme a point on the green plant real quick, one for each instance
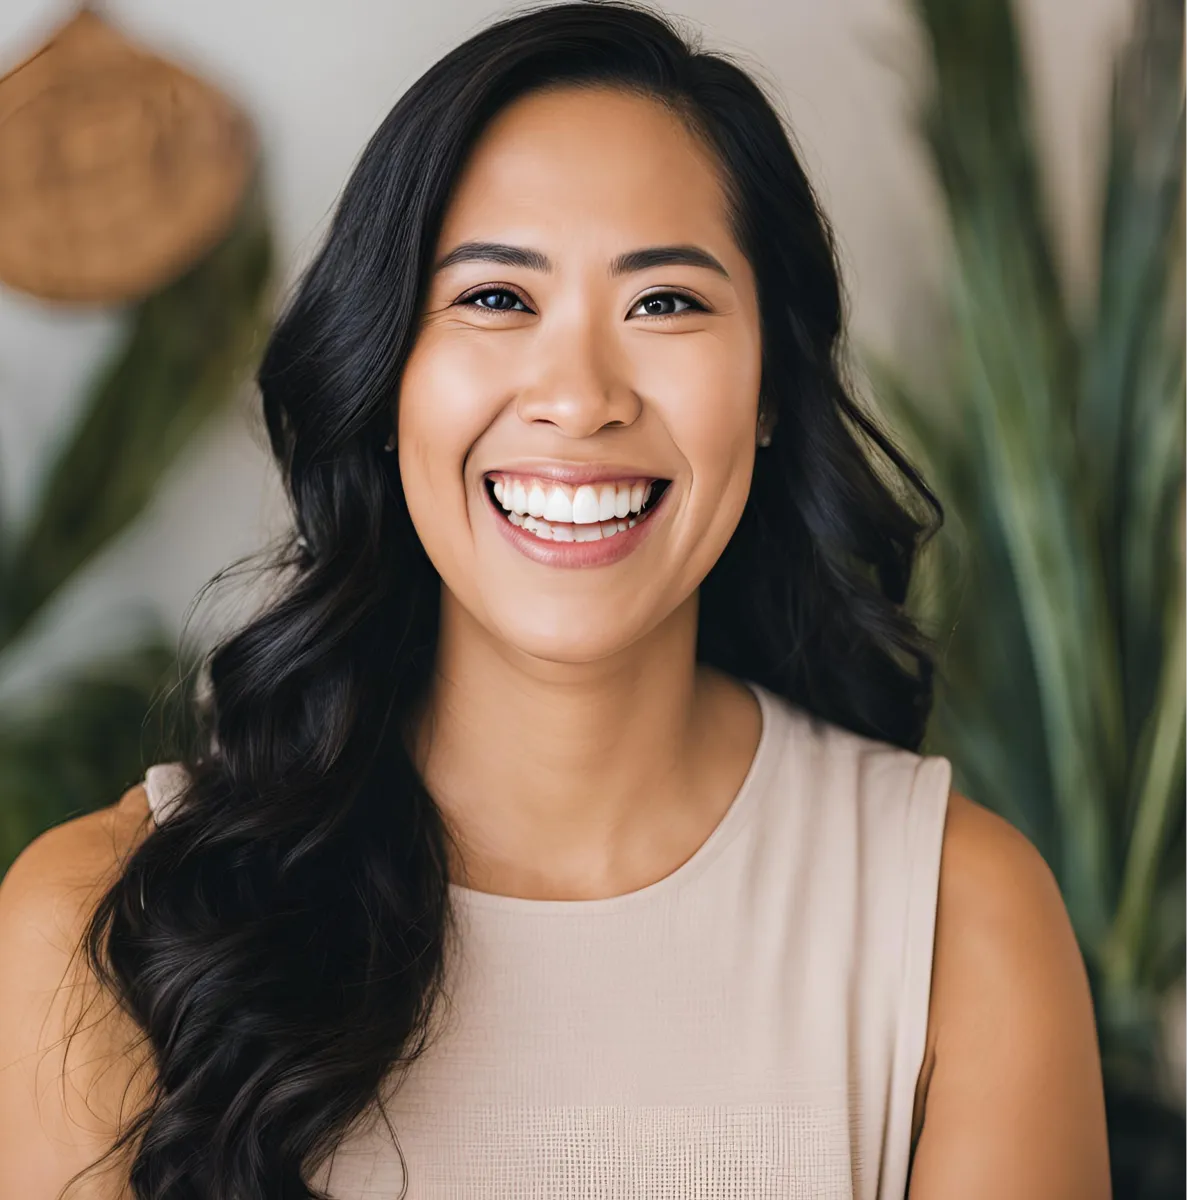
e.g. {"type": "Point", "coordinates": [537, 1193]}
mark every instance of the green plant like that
{"type": "Point", "coordinates": [79, 743]}
{"type": "Point", "coordinates": [1058, 450]}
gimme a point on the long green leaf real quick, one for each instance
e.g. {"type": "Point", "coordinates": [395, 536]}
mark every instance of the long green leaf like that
{"type": "Point", "coordinates": [1056, 574]}
{"type": "Point", "coordinates": [87, 737]}
{"type": "Point", "coordinates": [1159, 795]}
{"type": "Point", "coordinates": [987, 700]}
{"type": "Point", "coordinates": [185, 354]}
{"type": "Point", "coordinates": [1131, 410]}
{"type": "Point", "coordinates": [1062, 703]}
{"type": "Point", "coordinates": [1021, 362]}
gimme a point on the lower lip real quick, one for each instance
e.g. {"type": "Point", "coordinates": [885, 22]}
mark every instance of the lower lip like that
{"type": "Point", "coordinates": [598, 553]}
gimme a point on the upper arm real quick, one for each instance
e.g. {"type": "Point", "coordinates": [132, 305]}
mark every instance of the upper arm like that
{"type": "Point", "coordinates": [62, 1098]}
{"type": "Point", "coordinates": [1014, 1104]}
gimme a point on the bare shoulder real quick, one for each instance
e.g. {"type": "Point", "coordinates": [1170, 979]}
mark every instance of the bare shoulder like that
{"type": "Point", "coordinates": [61, 1096]}
{"type": "Point", "coordinates": [51, 882]}
{"type": "Point", "coordinates": [993, 877]}
{"type": "Point", "coordinates": [1012, 1094]}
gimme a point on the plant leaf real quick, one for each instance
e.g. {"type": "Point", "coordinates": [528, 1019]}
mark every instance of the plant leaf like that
{"type": "Point", "coordinates": [184, 356]}
{"type": "Point", "coordinates": [1020, 363]}
{"type": "Point", "coordinates": [1131, 410]}
{"type": "Point", "coordinates": [88, 737]}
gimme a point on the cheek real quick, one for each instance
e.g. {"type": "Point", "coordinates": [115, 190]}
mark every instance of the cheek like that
{"type": "Point", "coordinates": [712, 415]}
{"type": "Point", "coordinates": [709, 382]}
{"type": "Point", "coordinates": [442, 397]}
{"type": "Point", "coordinates": [440, 414]}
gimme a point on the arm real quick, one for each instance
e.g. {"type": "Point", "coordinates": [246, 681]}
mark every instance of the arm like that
{"type": "Point", "coordinates": [1011, 1102]}
{"type": "Point", "coordinates": [61, 1102]}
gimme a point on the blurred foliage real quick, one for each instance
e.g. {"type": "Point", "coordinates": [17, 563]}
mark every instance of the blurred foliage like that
{"type": "Point", "coordinates": [1057, 447]}
{"type": "Point", "coordinates": [80, 743]}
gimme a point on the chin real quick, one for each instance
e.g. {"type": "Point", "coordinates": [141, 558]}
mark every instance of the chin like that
{"type": "Point", "coordinates": [556, 633]}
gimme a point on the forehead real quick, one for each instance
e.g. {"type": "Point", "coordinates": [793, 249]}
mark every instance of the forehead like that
{"type": "Point", "coordinates": [570, 160]}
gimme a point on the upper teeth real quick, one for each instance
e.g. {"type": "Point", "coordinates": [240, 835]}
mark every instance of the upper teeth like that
{"type": "Point", "coordinates": [561, 503]}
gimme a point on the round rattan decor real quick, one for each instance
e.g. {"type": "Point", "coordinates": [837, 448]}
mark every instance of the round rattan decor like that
{"type": "Point", "coordinates": [118, 170]}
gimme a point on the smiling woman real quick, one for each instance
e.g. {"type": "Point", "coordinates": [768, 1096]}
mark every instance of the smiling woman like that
{"type": "Point", "coordinates": [560, 829]}
{"type": "Point", "coordinates": [627, 351]}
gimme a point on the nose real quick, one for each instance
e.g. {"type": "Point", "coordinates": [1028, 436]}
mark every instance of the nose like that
{"type": "Point", "coordinates": [581, 388]}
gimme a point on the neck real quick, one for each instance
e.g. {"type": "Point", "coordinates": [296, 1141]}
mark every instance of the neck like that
{"type": "Point", "coordinates": [576, 780]}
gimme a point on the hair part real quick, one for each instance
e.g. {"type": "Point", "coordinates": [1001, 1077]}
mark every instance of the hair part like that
{"type": "Point", "coordinates": [282, 938]}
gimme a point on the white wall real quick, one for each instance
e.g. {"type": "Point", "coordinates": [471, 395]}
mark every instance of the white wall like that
{"type": "Point", "coordinates": [318, 76]}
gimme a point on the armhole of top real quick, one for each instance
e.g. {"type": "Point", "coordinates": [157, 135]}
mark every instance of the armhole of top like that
{"type": "Point", "coordinates": [163, 783]}
{"type": "Point", "coordinates": [924, 827]}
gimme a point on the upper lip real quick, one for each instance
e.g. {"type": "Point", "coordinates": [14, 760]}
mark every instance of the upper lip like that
{"type": "Point", "coordinates": [575, 473]}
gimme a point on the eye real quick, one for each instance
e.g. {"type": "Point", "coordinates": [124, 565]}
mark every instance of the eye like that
{"type": "Point", "coordinates": [488, 294]}
{"type": "Point", "coordinates": [661, 304]}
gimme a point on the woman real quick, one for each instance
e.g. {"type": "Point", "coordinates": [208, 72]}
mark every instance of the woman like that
{"type": "Point", "coordinates": [559, 829]}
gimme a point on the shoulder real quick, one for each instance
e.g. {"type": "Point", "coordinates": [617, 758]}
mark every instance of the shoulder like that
{"type": "Point", "coordinates": [56, 1026]}
{"type": "Point", "coordinates": [50, 890]}
{"type": "Point", "coordinates": [994, 881]}
{"type": "Point", "coordinates": [1012, 1100]}
{"type": "Point", "coordinates": [1002, 926]}
{"type": "Point", "coordinates": [85, 851]}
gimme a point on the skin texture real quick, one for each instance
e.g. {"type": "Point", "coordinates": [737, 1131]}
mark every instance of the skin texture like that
{"type": "Point", "coordinates": [61, 1101]}
{"type": "Point", "coordinates": [1010, 1101]}
{"type": "Point", "coordinates": [575, 746]}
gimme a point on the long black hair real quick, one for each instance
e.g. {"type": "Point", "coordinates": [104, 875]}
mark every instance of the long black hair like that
{"type": "Point", "coordinates": [281, 938]}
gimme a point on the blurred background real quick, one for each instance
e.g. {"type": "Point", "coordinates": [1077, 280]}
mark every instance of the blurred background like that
{"type": "Point", "coordinates": [1005, 181]}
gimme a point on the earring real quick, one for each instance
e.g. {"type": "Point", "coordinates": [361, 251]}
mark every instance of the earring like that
{"type": "Point", "coordinates": [390, 444]}
{"type": "Point", "coordinates": [764, 438]}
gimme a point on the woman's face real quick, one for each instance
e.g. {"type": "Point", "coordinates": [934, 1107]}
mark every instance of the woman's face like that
{"type": "Point", "coordinates": [592, 342]}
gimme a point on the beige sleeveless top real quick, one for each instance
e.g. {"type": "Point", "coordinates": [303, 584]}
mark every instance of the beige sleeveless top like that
{"type": "Point", "coordinates": [749, 1027]}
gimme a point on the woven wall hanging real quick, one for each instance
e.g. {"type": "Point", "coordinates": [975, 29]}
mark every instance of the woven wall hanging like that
{"type": "Point", "coordinates": [118, 169]}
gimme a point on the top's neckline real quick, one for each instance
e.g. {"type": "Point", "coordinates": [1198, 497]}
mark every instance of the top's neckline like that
{"type": "Point", "coordinates": [756, 780]}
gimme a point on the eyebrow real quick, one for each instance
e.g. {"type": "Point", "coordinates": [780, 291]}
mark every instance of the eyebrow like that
{"type": "Point", "coordinates": [624, 264]}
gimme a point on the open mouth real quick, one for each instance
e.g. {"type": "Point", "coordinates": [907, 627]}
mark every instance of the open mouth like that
{"type": "Point", "coordinates": [561, 513]}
